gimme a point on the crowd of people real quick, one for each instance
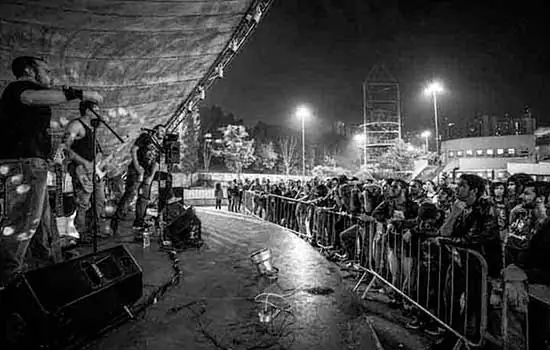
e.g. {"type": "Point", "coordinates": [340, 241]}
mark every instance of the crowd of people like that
{"type": "Point", "coordinates": [506, 222]}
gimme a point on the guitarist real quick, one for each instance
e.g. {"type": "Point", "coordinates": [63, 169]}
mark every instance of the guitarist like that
{"type": "Point", "coordinates": [141, 172]}
{"type": "Point", "coordinates": [25, 146]}
{"type": "Point", "coordinates": [78, 141]}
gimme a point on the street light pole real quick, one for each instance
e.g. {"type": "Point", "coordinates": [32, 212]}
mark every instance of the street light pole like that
{"type": "Point", "coordinates": [426, 147]}
{"type": "Point", "coordinates": [434, 94]}
{"type": "Point", "coordinates": [304, 147]}
{"type": "Point", "coordinates": [365, 121]}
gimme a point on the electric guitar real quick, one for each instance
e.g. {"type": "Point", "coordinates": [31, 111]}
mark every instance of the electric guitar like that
{"type": "Point", "coordinates": [63, 220]}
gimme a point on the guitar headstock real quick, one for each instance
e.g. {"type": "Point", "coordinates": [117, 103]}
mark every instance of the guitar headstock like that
{"type": "Point", "coordinates": [58, 155]}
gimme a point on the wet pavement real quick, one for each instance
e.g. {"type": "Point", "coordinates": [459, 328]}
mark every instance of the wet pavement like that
{"type": "Point", "coordinates": [214, 308]}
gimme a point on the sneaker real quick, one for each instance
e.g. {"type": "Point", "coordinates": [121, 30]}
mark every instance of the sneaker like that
{"type": "Point", "coordinates": [415, 324]}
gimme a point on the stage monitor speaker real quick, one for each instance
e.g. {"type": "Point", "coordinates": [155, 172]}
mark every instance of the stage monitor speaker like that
{"type": "Point", "coordinates": [73, 300]}
{"type": "Point", "coordinates": [183, 227]}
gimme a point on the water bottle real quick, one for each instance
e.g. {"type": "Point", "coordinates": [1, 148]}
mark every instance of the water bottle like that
{"type": "Point", "coordinates": [146, 238]}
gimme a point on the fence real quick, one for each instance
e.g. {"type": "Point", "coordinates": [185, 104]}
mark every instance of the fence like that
{"type": "Point", "coordinates": [447, 283]}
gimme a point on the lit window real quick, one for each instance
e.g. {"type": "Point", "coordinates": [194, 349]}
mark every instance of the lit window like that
{"type": "Point", "coordinates": [490, 152]}
{"type": "Point", "coordinates": [479, 152]}
{"type": "Point", "coordinates": [460, 153]}
{"type": "Point", "coordinates": [511, 151]}
{"type": "Point", "coordinates": [500, 151]}
{"type": "Point", "coordinates": [451, 154]}
{"type": "Point", "coordinates": [469, 152]}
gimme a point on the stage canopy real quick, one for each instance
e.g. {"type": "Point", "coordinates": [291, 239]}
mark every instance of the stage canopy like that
{"type": "Point", "coordinates": [149, 58]}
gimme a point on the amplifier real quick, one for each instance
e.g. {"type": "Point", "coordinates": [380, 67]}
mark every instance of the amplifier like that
{"type": "Point", "coordinates": [70, 301]}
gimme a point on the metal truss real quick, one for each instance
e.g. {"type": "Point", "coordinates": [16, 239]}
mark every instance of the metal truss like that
{"type": "Point", "coordinates": [244, 30]}
{"type": "Point", "coordinates": [382, 103]}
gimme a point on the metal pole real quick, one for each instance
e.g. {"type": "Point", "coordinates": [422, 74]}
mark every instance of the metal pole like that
{"type": "Point", "coordinates": [427, 144]}
{"type": "Point", "coordinates": [304, 148]}
{"type": "Point", "coordinates": [436, 124]}
{"type": "Point", "coordinates": [365, 122]}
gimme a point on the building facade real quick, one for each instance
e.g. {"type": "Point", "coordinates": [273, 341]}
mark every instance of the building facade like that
{"type": "Point", "coordinates": [491, 157]}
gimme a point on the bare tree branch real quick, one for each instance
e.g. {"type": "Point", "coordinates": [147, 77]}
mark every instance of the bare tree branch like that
{"type": "Point", "coordinates": [288, 146]}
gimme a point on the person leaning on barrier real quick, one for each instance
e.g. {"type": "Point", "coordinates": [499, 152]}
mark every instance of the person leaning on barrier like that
{"type": "Point", "coordinates": [396, 211]}
{"type": "Point", "coordinates": [475, 228]}
{"type": "Point", "coordinates": [429, 220]}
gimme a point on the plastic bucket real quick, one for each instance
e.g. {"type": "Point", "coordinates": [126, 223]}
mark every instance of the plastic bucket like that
{"type": "Point", "coordinates": [262, 260]}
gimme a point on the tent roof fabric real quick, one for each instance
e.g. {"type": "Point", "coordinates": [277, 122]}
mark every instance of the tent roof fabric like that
{"type": "Point", "coordinates": [144, 56]}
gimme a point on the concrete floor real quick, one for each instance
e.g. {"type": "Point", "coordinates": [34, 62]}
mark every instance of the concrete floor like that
{"type": "Point", "coordinates": [214, 308]}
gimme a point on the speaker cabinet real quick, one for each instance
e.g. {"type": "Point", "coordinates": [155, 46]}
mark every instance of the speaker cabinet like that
{"type": "Point", "coordinates": [66, 302]}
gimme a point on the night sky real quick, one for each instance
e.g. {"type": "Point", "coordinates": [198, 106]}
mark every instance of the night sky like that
{"type": "Point", "coordinates": [490, 57]}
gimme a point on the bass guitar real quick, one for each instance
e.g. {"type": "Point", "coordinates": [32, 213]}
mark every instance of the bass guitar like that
{"type": "Point", "coordinates": [64, 218]}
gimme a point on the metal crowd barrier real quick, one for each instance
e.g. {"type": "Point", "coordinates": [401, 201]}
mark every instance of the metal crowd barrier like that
{"type": "Point", "coordinates": [447, 283]}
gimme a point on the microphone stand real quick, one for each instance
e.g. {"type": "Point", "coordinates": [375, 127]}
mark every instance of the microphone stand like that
{"type": "Point", "coordinates": [95, 124]}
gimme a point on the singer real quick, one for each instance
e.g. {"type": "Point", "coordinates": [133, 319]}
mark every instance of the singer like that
{"type": "Point", "coordinates": [78, 145]}
{"type": "Point", "coordinates": [24, 150]}
{"type": "Point", "coordinates": [141, 171]}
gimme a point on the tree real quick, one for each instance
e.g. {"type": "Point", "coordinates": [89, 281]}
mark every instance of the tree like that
{"type": "Point", "coordinates": [266, 156]}
{"type": "Point", "coordinates": [189, 142]}
{"type": "Point", "coordinates": [235, 148]}
{"type": "Point", "coordinates": [287, 147]}
{"type": "Point", "coordinates": [400, 157]}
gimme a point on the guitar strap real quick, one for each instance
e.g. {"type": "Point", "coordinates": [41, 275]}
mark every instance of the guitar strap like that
{"type": "Point", "coordinates": [89, 129]}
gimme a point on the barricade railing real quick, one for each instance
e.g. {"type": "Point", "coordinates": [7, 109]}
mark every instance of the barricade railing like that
{"type": "Point", "coordinates": [447, 283]}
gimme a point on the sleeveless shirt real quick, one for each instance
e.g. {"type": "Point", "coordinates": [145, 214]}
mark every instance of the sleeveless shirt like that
{"type": "Point", "coordinates": [83, 146]}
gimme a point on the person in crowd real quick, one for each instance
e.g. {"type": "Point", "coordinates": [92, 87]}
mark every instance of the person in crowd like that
{"type": "Point", "coordinates": [416, 192]}
{"type": "Point", "coordinates": [230, 196]}
{"type": "Point", "coordinates": [397, 211]}
{"type": "Point", "coordinates": [427, 225]}
{"type": "Point", "coordinates": [476, 228]}
{"type": "Point", "coordinates": [144, 163]}
{"type": "Point", "coordinates": [514, 188]}
{"type": "Point", "coordinates": [240, 195]}
{"type": "Point", "coordinates": [500, 205]}
{"type": "Point", "coordinates": [349, 236]}
{"type": "Point", "coordinates": [430, 190]}
{"type": "Point", "coordinates": [218, 194]}
{"type": "Point", "coordinates": [444, 200]}
{"type": "Point", "coordinates": [525, 220]}
{"type": "Point", "coordinates": [25, 148]}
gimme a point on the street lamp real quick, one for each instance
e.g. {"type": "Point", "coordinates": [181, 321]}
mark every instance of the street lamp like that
{"type": "Point", "coordinates": [303, 112]}
{"type": "Point", "coordinates": [426, 134]}
{"type": "Point", "coordinates": [433, 90]}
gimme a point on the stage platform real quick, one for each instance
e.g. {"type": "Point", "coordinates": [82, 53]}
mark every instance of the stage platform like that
{"type": "Point", "coordinates": [213, 306]}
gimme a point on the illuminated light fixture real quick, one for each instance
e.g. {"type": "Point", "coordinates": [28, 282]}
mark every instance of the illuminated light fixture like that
{"type": "Point", "coordinates": [219, 71]}
{"type": "Point", "coordinates": [202, 93]}
{"type": "Point", "coordinates": [358, 137]}
{"type": "Point", "coordinates": [234, 45]}
{"type": "Point", "coordinates": [434, 88]}
{"type": "Point", "coordinates": [257, 14]}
